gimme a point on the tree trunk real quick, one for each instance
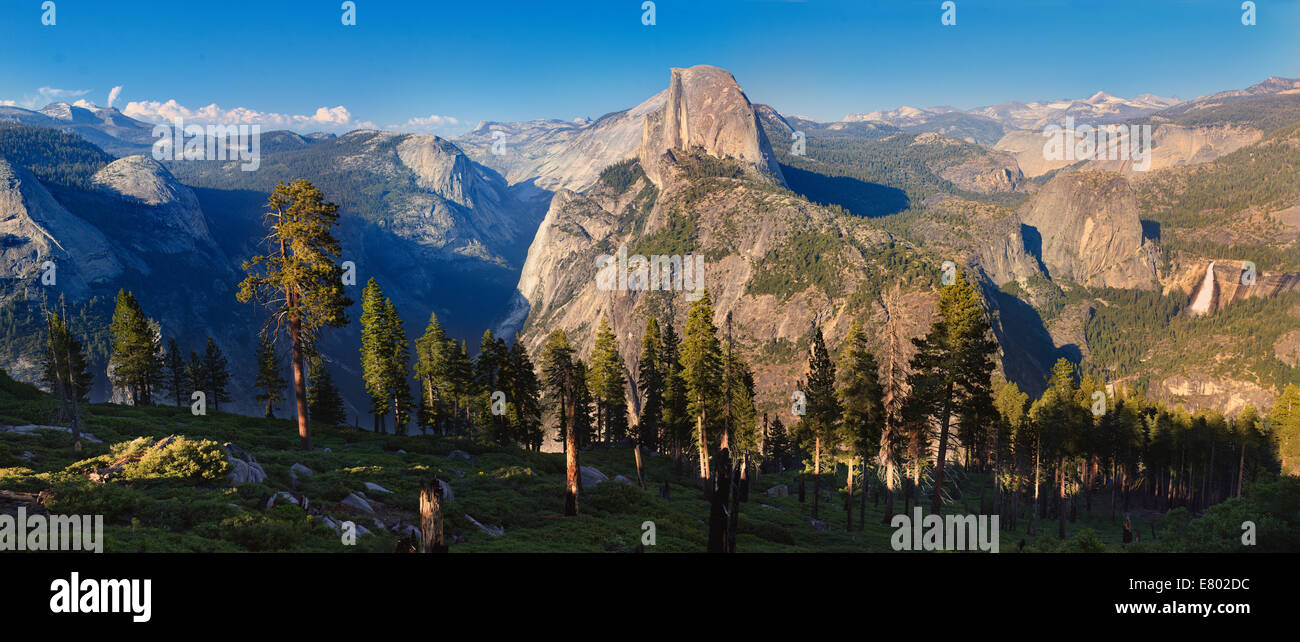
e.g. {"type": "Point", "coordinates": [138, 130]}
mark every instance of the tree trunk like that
{"type": "Point", "coordinates": [718, 502]}
{"type": "Point", "coordinates": [299, 380]}
{"type": "Point", "coordinates": [703, 446]}
{"type": "Point", "coordinates": [866, 488]}
{"type": "Point", "coordinates": [1060, 497]}
{"type": "Point", "coordinates": [848, 501]}
{"type": "Point", "coordinates": [733, 516]}
{"type": "Point", "coordinates": [640, 473]}
{"type": "Point", "coordinates": [1241, 467]}
{"type": "Point", "coordinates": [431, 518]}
{"type": "Point", "coordinates": [744, 478]}
{"type": "Point", "coordinates": [817, 475]}
{"type": "Point", "coordinates": [937, 498]}
{"type": "Point", "coordinates": [570, 451]}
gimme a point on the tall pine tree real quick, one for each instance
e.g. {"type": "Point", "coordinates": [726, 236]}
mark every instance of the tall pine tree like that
{"type": "Point", "coordinates": [298, 279]}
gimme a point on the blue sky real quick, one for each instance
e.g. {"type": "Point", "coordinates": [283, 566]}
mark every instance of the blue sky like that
{"type": "Point", "coordinates": [509, 60]}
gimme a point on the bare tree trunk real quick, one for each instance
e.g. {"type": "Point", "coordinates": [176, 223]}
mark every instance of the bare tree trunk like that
{"type": "Point", "coordinates": [570, 451]}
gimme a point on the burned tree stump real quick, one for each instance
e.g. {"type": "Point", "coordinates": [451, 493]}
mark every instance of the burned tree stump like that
{"type": "Point", "coordinates": [431, 540]}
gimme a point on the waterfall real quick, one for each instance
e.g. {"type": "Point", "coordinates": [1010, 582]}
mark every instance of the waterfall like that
{"type": "Point", "coordinates": [1204, 295]}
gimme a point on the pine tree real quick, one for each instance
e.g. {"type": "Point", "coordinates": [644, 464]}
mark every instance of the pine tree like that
{"type": "Point", "coordinates": [433, 370]}
{"type": "Point", "coordinates": [397, 382]}
{"type": "Point", "coordinates": [1286, 426]}
{"type": "Point", "coordinates": [608, 385]}
{"type": "Point", "coordinates": [462, 378]}
{"type": "Point", "coordinates": [819, 428]}
{"type": "Point", "coordinates": [650, 383]}
{"type": "Point", "coordinates": [270, 381]}
{"type": "Point", "coordinates": [953, 367]}
{"type": "Point", "coordinates": [490, 376]}
{"type": "Point", "coordinates": [776, 447]}
{"type": "Point", "coordinates": [195, 379]}
{"type": "Point", "coordinates": [701, 362]}
{"type": "Point", "coordinates": [675, 421]}
{"type": "Point", "coordinates": [174, 380]}
{"type": "Point", "coordinates": [376, 352]}
{"type": "Point", "coordinates": [216, 376]}
{"type": "Point", "coordinates": [324, 403]}
{"type": "Point", "coordinates": [136, 360]}
{"type": "Point", "coordinates": [584, 405]}
{"type": "Point", "coordinates": [861, 400]}
{"type": "Point", "coordinates": [63, 364]}
{"type": "Point", "coordinates": [525, 400]}
{"type": "Point", "coordinates": [298, 279]}
{"type": "Point", "coordinates": [560, 386]}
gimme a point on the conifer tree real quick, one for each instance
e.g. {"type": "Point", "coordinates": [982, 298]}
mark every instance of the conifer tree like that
{"type": "Point", "coordinates": [861, 400]}
{"type": "Point", "coordinates": [376, 352]}
{"type": "Point", "coordinates": [608, 385]}
{"type": "Point", "coordinates": [433, 370]}
{"type": "Point", "coordinates": [490, 377]}
{"type": "Point", "coordinates": [174, 380]}
{"type": "Point", "coordinates": [776, 447]}
{"type": "Point", "coordinates": [324, 403]}
{"type": "Point", "coordinates": [397, 381]}
{"type": "Point", "coordinates": [216, 376]}
{"type": "Point", "coordinates": [63, 364]}
{"type": "Point", "coordinates": [584, 405]}
{"type": "Point", "coordinates": [195, 379]}
{"type": "Point", "coordinates": [650, 383]}
{"type": "Point", "coordinates": [525, 400]}
{"type": "Point", "coordinates": [462, 377]}
{"type": "Point", "coordinates": [701, 364]}
{"type": "Point", "coordinates": [560, 385]}
{"type": "Point", "coordinates": [952, 368]}
{"type": "Point", "coordinates": [819, 428]}
{"type": "Point", "coordinates": [675, 419]}
{"type": "Point", "coordinates": [136, 360]}
{"type": "Point", "coordinates": [1286, 426]}
{"type": "Point", "coordinates": [298, 279]}
{"type": "Point", "coordinates": [270, 382]}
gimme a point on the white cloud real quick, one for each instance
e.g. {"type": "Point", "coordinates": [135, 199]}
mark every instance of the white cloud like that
{"type": "Point", "coordinates": [45, 96]}
{"type": "Point", "coordinates": [325, 118]}
{"type": "Point", "coordinates": [113, 94]}
{"type": "Point", "coordinates": [430, 124]}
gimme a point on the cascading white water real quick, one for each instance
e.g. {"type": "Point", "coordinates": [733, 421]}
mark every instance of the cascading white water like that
{"type": "Point", "coordinates": [1205, 293]}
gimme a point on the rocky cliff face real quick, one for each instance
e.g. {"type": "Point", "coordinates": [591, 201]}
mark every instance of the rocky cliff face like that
{"type": "Point", "coordinates": [740, 227]}
{"type": "Point", "coordinates": [556, 154]}
{"type": "Point", "coordinates": [171, 221]}
{"type": "Point", "coordinates": [1227, 283]}
{"type": "Point", "coordinates": [35, 228]}
{"type": "Point", "coordinates": [1090, 232]}
{"type": "Point", "coordinates": [706, 109]}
